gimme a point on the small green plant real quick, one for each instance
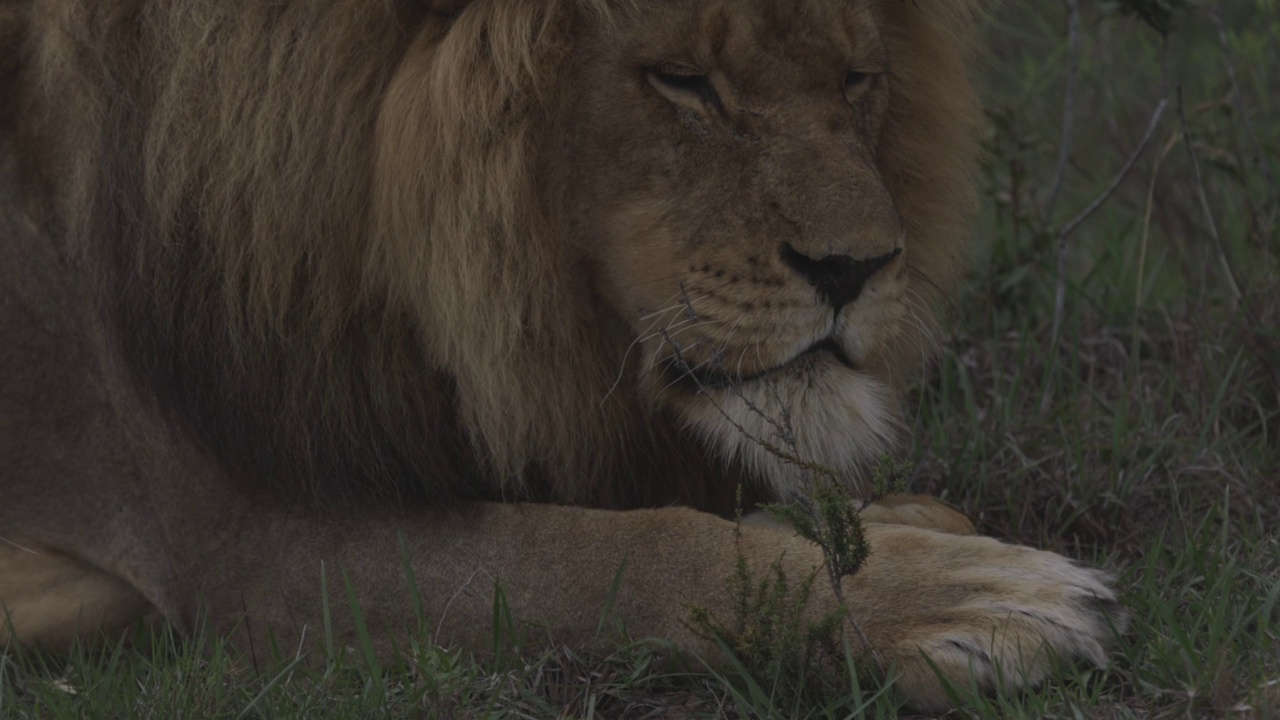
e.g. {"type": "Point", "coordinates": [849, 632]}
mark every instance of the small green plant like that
{"type": "Point", "coordinates": [770, 634]}
{"type": "Point", "coordinates": [826, 514]}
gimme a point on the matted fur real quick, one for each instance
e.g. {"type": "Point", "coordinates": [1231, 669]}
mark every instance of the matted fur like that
{"type": "Point", "coordinates": [305, 200]}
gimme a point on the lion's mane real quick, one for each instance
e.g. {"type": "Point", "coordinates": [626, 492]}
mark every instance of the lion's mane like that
{"type": "Point", "coordinates": [293, 204]}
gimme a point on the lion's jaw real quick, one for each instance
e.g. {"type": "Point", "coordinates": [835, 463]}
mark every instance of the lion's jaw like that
{"type": "Point", "coordinates": [740, 149]}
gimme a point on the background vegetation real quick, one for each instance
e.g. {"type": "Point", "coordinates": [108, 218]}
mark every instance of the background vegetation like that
{"type": "Point", "coordinates": [1110, 390]}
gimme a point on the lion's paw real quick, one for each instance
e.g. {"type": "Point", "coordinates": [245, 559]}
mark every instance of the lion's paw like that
{"type": "Point", "coordinates": [919, 511]}
{"type": "Point", "coordinates": [978, 612]}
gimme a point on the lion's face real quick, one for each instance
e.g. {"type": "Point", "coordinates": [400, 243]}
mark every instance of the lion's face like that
{"type": "Point", "coordinates": [724, 192]}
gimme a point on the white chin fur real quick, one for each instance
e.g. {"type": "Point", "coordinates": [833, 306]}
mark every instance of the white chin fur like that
{"type": "Point", "coordinates": [832, 417]}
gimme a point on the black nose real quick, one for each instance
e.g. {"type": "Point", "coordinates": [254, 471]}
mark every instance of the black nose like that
{"type": "Point", "coordinates": [837, 278]}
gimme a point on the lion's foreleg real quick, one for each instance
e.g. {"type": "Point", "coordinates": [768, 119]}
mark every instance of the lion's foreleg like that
{"type": "Point", "coordinates": [982, 612]}
{"type": "Point", "coordinates": [555, 566]}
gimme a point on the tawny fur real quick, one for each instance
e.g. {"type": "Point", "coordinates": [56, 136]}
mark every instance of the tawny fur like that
{"type": "Point", "coordinates": [291, 289]}
{"type": "Point", "coordinates": [53, 600]}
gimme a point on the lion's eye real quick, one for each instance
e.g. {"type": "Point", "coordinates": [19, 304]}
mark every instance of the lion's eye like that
{"type": "Point", "coordinates": [684, 85]}
{"type": "Point", "coordinates": [856, 83]}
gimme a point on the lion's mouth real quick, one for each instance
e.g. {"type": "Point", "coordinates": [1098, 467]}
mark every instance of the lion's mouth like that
{"type": "Point", "coordinates": [680, 374]}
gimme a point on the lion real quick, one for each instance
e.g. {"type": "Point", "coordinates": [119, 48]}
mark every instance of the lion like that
{"type": "Point", "coordinates": [461, 294]}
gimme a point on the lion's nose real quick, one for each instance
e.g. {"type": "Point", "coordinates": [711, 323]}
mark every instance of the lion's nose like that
{"type": "Point", "coordinates": [837, 278]}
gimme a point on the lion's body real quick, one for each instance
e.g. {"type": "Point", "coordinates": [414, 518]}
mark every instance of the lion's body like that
{"type": "Point", "coordinates": [293, 283]}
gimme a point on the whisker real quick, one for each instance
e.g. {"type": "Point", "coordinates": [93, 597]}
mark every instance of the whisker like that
{"type": "Point", "coordinates": [673, 309]}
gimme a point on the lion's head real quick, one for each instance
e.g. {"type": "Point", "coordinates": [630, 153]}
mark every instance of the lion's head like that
{"type": "Point", "coordinates": [740, 185]}
{"type": "Point", "coordinates": [589, 234]}
{"type": "Point", "coordinates": [741, 212]}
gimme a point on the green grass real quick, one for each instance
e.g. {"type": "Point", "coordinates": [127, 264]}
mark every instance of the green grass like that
{"type": "Point", "coordinates": [1146, 439]}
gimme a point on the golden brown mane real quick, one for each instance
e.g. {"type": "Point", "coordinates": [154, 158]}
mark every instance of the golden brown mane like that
{"type": "Point", "coordinates": [291, 221]}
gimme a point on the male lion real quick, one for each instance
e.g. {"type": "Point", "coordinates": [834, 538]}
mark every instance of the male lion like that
{"type": "Point", "coordinates": [510, 291]}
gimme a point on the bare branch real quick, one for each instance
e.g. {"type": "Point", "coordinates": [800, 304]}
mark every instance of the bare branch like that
{"type": "Point", "coordinates": [1060, 287]}
{"type": "Point", "coordinates": [1098, 201]}
{"type": "Point", "coordinates": [1068, 110]}
{"type": "Point", "coordinates": [1237, 97]}
{"type": "Point", "coordinates": [1262, 346]}
{"type": "Point", "coordinates": [1227, 270]}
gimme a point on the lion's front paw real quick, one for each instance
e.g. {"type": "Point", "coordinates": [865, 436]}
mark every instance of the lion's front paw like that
{"type": "Point", "coordinates": [919, 511]}
{"type": "Point", "coordinates": [977, 611]}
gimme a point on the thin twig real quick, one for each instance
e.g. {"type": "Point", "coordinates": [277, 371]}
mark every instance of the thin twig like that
{"type": "Point", "coordinates": [465, 584]}
{"type": "Point", "coordinates": [1237, 97]}
{"type": "Point", "coordinates": [1135, 346]}
{"type": "Point", "coordinates": [1060, 288]}
{"type": "Point", "coordinates": [1227, 270]}
{"type": "Point", "coordinates": [1119, 178]}
{"type": "Point", "coordinates": [1141, 273]}
{"type": "Point", "coordinates": [1260, 344]}
{"type": "Point", "coordinates": [1068, 110]}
